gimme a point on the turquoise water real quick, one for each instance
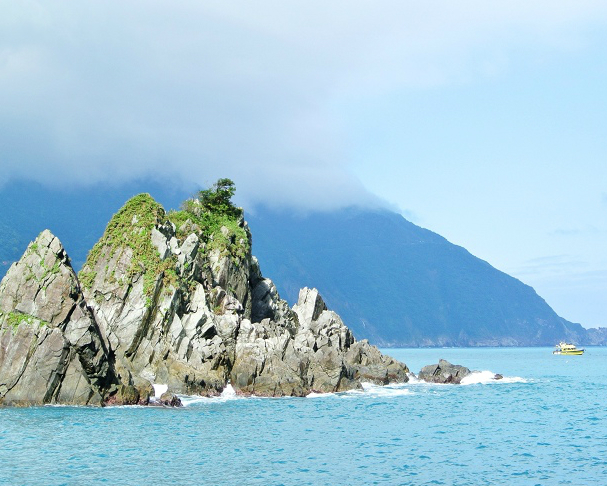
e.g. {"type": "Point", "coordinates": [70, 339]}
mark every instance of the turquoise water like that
{"type": "Point", "coordinates": [545, 423]}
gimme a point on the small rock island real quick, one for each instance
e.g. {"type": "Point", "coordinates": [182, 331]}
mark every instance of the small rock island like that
{"type": "Point", "coordinates": [173, 299]}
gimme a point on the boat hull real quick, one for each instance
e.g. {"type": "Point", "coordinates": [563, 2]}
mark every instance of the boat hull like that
{"type": "Point", "coordinates": [567, 349]}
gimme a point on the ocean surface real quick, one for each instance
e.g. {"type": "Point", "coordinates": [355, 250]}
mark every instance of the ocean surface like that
{"type": "Point", "coordinates": [544, 423]}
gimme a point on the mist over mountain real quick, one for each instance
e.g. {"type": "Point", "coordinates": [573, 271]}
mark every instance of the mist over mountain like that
{"type": "Point", "coordinates": [392, 282]}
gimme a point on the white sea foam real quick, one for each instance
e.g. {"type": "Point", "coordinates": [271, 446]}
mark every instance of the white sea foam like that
{"type": "Point", "coordinates": [414, 379]}
{"type": "Point", "coordinates": [369, 390]}
{"type": "Point", "coordinates": [227, 394]}
{"type": "Point", "coordinates": [188, 400]}
{"type": "Point", "coordinates": [396, 390]}
{"type": "Point", "coordinates": [474, 378]}
{"type": "Point", "coordinates": [488, 377]}
{"type": "Point", "coordinates": [159, 389]}
{"type": "Point", "coordinates": [320, 395]}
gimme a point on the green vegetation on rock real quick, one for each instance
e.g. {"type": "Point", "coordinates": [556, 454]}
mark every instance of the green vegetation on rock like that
{"type": "Point", "coordinates": [54, 270]}
{"type": "Point", "coordinates": [218, 199]}
{"type": "Point", "coordinates": [12, 320]}
{"type": "Point", "coordinates": [211, 215]}
{"type": "Point", "coordinates": [33, 249]}
{"type": "Point", "coordinates": [131, 228]}
{"type": "Point", "coordinates": [215, 216]}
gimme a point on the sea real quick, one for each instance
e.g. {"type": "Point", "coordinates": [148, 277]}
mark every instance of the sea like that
{"type": "Point", "coordinates": [544, 423]}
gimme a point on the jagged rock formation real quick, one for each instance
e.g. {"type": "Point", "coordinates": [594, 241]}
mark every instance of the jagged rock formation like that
{"type": "Point", "coordinates": [433, 293]}
{"type": "Point", "coordinates": [311, 351]}
{"type": "Point", "coordinates": [176, 299]}
{"type": "Point", "coordinates": [51, 349]}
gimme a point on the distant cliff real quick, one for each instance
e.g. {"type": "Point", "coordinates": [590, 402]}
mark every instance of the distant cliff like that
{"type": "Point", "coordinates": [401, 285]}
{"type": "Point", "coordinates": [175, 299]}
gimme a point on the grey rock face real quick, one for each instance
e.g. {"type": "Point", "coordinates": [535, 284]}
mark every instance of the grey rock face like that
{"type": "Point", "coordinates": [51, 350]}
{"type": "Point", "coordinates": [310, 350]}
{"type": "Point", "coordinates": [170, 307]}
{"type": "Point", "coordinates": [443, 372]}
{"type": "Point", "coordinates": [158, 316]}
{"type": "Point", "coordinates": [265, 301]}
{"type": "Point", "coordinates": [42, 283]}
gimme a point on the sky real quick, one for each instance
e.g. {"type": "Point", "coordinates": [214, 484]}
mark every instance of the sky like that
{"type": "Point", "coordinates": [482, 121]}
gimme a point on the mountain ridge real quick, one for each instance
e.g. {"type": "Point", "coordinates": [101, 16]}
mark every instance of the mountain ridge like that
{"type": "Point", "coordinates": [400, 276]}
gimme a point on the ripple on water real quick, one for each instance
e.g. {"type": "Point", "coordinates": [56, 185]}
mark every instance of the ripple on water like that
{"type": "Point", "coordinates": [512, 431]}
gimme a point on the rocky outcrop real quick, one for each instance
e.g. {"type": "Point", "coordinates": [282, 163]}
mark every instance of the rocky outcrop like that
{"type": "Point", "coordinates": [51, 349]}
{"type": "Point", "coordinates": [443, 372]}
{"type": "Point", "coordinates": [168, 299]}
{"type": "Point", "coordinates": [310, 350]}
{"type": "Point", "coordinates": [155, 302]}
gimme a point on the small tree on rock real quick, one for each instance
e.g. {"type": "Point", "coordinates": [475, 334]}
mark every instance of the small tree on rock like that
{"type": "Point", "coordinates": [217, 201]}
{"type": "Point", "coordinates": [218, 198]}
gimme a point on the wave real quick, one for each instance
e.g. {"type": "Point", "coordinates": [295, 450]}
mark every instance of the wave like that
{"type": "Point", "coordinates": [159, 389]}
{"type": "Point", "coordinates": [485, 377]}
{"type": "Point", "coordinates": [228, 394]}
{"type": "Point", "coordinates": [488, 377]}
{"type": "Point", "coordinates": [380, 391]}
{"type": "Point", "coordinates": [369, 390]}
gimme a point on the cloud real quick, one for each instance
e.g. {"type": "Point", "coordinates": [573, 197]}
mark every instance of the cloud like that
{"type": "Point", "coordinates": [565, 274]}
{"type": "Point", "coordinates": [551, 265]}
{"type": "Point", "coordinates": [587, 231]}
{"type": "Point", "coordinates": [193, 91]}
{"type": "Point", "coordinates": [553, 262]}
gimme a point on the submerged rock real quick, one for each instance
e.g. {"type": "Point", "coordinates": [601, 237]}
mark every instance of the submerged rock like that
{"type": "Point", "coordinates": [173, 299]}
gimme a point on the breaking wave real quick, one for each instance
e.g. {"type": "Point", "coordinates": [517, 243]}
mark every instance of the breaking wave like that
{"type": "Point", "coordinates": [228, 394]}
{"type": "Point", "coordinates": [369, 390]}
{"type": "Point", "coordinates": [488, 377]}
